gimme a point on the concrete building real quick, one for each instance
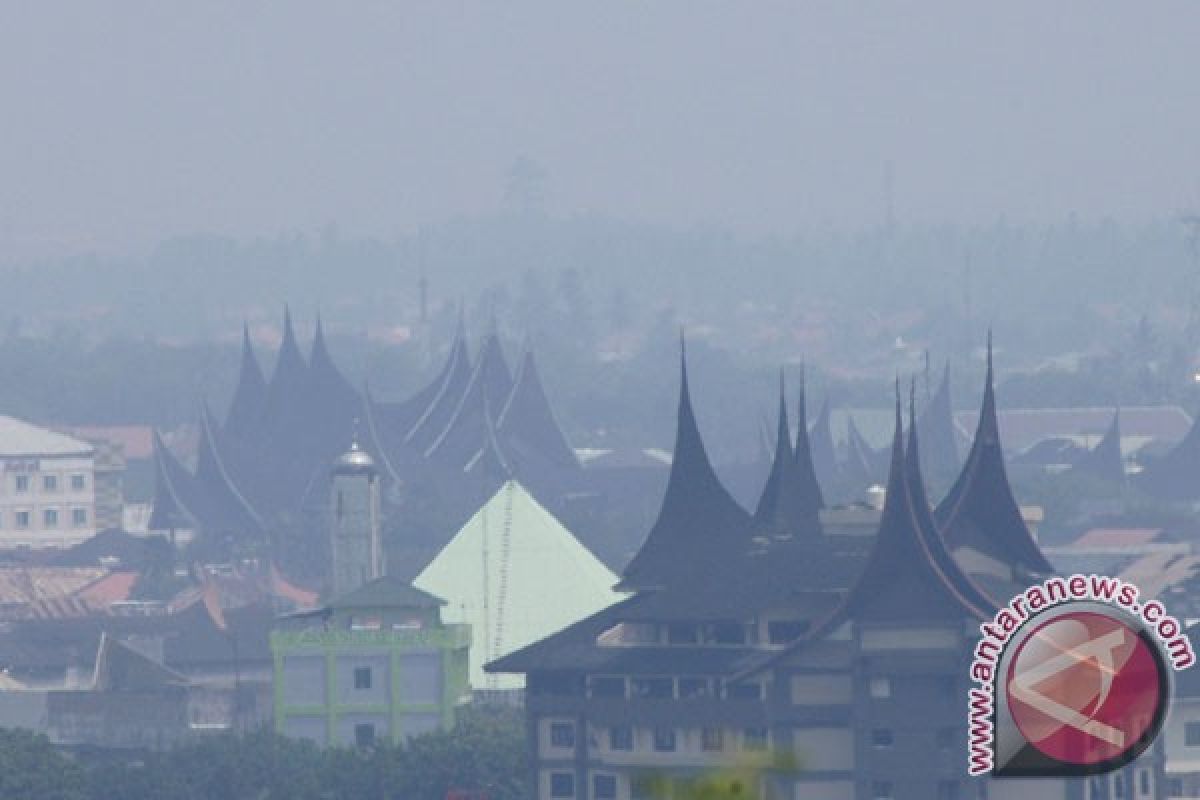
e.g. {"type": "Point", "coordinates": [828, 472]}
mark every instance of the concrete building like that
{"type": "Point", "coordinates": [47, 487]}
{"type": "Point", "coordinates": [377, 663]}
{"type": "Point", "coordinates": [749, 637]}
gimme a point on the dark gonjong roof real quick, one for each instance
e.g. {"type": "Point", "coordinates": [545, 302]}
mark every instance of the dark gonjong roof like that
{"type": "Point", "coordinates": [939, 435]}
{"type": "Point", "coordinates": [1176, 474]}
{"type": "Point", "coordinates": [174, 487]}
{"type": "Point", "coordinates": [331, 392]}
{"type": "Point", "coordinates": [807, 476]}
{"type": "Point", "coordinates": [289, 381]}
{"type": "Point", "coordinates": [787, 506]}
{"type": "Point", "coordinates": [699, 526]}
{"type": "Point", "coordinates": [489, 461]}
{"type": "Point", "coordinates": [863, 465]}
{"type": "Point", "coordinates": [934, 543]}
{"type": "Point", "coordinates": [821, 447]}
{"type": "Point", "coordinates": [527, 422]}
{"type": "Point", "coordinates": [906, 579]}
{"type": "Point", "coordinates": [223, 504]}
{"type": "Point", "coordinates": [489, 386]}
{"type": "Point", "coordinates": [441, 404]}
{"type": "Point", "coordinates": [249, 398]}
{"type": "Point", "coordinates": [979, 511]}
{"type": "Point", "coordinates": [1104, 461]}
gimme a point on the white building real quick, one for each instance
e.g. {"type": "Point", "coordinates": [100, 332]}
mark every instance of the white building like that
{"type": "Point", "coordinates": [47, 487]}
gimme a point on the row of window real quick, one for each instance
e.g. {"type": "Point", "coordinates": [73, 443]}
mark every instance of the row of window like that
{"type": "Point", "coordinates": [50, 483]}
{"type": "Point", "coordinates": [604, 787]}
{"type": "Point", "coordinates": [620, 738]}
{"type": "Point", "coordinates": [667, 688]}
{"type": "Point", "coordinates": [23, 520]}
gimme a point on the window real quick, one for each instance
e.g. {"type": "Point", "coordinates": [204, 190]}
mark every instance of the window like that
{"type": "Point", "coordinates": [881, 688]}
{"type": "Point", "coordinates": [664, 740]}
{"type": "Point", "coordinates": [79, 517]}
{"type": "Point", "coordinates": [754, 739]}
{"type": "Point", "coordinates": [78, 484]}
{"type": "Point", "coordinates": [604, 787]}
{"type": "Point", "coordinates": [607, 686]}
{"type": "Point", "coordinates": [50, 518]}
{"type": "Point", "coordinates": [1191, 734]}
{"type": "Point", "coordinates": [881, 790]}
{"type": "Point", "coordinates": [947, 790]}
{"type": "Point", "coordinates": [744, 691]}
{"type": "Point", "coordinates": [362, 677]}
{"type": "Point", "coordinates": [364, 734]}
{"type": "Point", "coordinates": [682, 633]}
{"type": "Point", "coordinates": [1175, 787]}
{"type": "Point", "coordinates": [882, 737]}
{"type": "Point", "coordinates": [22, 483]}
{"type": "Point", "coordinates": [724, 633]}
{"type": "Point", "coordinates": [1118, 785]}
{"type": "Point", "coordinates": [783, 631]}
{"type": "Point", "coordinates": [653, 687]}
{"type": "Point", "coordinates": [712, 739]}
{"type": "Point", "coordinates": [562, 784]}
{"type": "Point", "coordinates": [49, 483]}
{"type": "Point", "coordinates": [23, 520]}
{"type": "Point", "coordinates": [1144, 780]}
{"type": "Point", "coordinates": [562, 734]}
{"type": "Point", "coordinates": [694, 687]}
{"type": "Point", "coordinates": [620, 737]}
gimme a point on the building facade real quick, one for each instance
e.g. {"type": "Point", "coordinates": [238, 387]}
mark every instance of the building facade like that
{"type": "Point", "coordinates": [812, 665]}
{"type": "Point", "coordinates": [376, 664]}
{"type": "Point", "coordinates": [47, 487]}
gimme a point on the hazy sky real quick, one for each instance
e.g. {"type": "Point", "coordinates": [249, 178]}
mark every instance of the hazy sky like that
{"type": "Point", "coordinates": [127, 122]}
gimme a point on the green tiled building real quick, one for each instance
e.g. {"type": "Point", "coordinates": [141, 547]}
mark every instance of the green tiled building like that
{"type": "Point", "coordinates": [376, 663]}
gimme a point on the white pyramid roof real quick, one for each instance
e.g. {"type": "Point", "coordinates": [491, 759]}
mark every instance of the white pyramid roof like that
{"type": "Point", "coordinates": [515, 575]}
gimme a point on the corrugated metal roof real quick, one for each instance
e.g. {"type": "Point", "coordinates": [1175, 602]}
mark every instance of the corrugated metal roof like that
{"type": "Point", "coordinates": [20, 438]}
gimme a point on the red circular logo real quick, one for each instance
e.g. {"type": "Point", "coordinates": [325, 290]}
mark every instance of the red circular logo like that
{"type": "Point", "coordinates": [1085, 688]}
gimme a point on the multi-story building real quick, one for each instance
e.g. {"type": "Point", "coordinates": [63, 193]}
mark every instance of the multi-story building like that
{"type": "Point", "coordinates": [377, 663]}
{"type": "Point", "coordinates": [47, 487]}
{"type": "Point", "coordinates": [838, 664]}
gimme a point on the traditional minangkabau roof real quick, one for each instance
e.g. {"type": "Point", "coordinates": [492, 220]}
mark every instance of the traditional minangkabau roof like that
{"type": "Point", "coordinates": [174, 488]}
{"type": "Point", "coordinates": [700, 527]}
{"type": "Point", "coordinates": [490, 462]}
{"type": "Point", "coordinates": [939, 433]}
{"type": "Point", "coordinates": [1176, 474]}
{"type": "Point", "coordinates": [862, 466]}
{"type": "Point", "coordinates": [225, 506]}
{"type": "Point", "coordinates": [787, 507]}
{"type": "Point", "coordinates": [979, 511]}
{"type": "Point", "coordinates": [821, 447]}
{"type": "Point", "coordinates": [807, 480]}
{"type": "Point", "coordinates": [331, 391]}
{"type": "Point", "coordinates": [249, 397]}
{"type": "Point", "coordinates": [289, 381]}
{"type": "Point", "coordinates": [440, 399]}
{"type": "Point", "coordinates": [490, 379]}
{"type": "Point", "coordinates": [1104, 461]}
{"type": "Point", "coordinates": [906, 578]}
{"type": "Point", "coordinates": [527, 423]}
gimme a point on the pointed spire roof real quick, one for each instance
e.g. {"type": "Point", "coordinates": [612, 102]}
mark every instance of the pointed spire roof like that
{"type": "Point", "coordinates": [823, 452]}
{"type": "Point", "coordinates": [1104, 461]}
{"type": "Point", "coordinates": [700, 527]}
{"type": "Point", "coordinates": [440, 403]}
{"type": "Point", "coordinates": [289, 382]}
{"type": "Point", "coordinates": [490, 380]}
{"type": "Point", "coordinates": [863, 463]}
{"type": "Point", "coordinates": [331, 390]}
{"type": "Point", "coordinates": [250, 395]}
{"type": "Point", "coordinates": [934, 542]}
{"type": "Point", "coordinates": [980, 511]}
{"type": "Point", "coordinates": [527, 422]}
{"type": "Point", "coordinates": [225, 506]}
{"type": "Point", "coordinates": [806, 472]}
{"type": "Point", "coordinates": [939, 433]}
{"type": "Point", "coordinates": [173, 488]}
{"type": "Point", "coordinates": [903, 579]}
{"type": "Point", "coordinates": [785, 509]}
